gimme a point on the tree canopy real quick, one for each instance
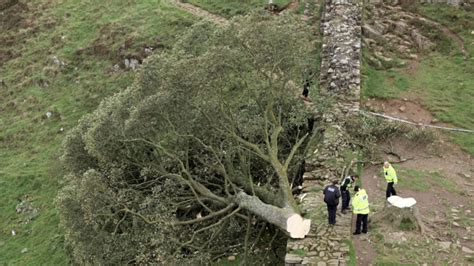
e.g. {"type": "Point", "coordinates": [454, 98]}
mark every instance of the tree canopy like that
{"type": "Point", "coordinates": [199, 155]}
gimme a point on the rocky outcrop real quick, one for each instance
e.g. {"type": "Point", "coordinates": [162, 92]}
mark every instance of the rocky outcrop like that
{"type": "Point", "coordinates": [390, 33]}
{"type": "Point", "coordinates": [421, 41]}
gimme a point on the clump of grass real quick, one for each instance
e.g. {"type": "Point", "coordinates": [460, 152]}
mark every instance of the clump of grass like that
{"type": "Point", "coordinates": [300, 252]}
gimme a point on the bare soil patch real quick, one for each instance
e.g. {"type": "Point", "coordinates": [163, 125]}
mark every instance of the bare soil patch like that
{"type": "Point", "coordinates": [18, 22]}
{"type": "Point", "coordinates": [453, 191]}
{"type": "Point", "coordinates": [11, 20]}
{"type": "Point", "coordinates": [401, 108]}
{"type": "Point", "coordinates": [446, 206]}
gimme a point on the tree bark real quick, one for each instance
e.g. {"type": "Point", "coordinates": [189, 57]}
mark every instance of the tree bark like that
{"type": "Point", "coordinates": [285, 218]}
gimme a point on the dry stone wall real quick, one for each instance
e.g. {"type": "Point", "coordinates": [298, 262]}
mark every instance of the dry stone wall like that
{"type": "Point", "coordinates": [340, 80]}
{"type": "Point", "coordinates": [341, 52]}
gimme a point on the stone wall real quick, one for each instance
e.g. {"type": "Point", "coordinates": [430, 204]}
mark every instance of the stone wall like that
{"type": "Point", "coordinates": [341, 52]}
{"type": "Point", "coordinates": [340, 80]}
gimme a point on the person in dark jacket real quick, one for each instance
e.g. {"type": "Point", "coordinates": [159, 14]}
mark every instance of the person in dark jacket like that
{"type": "Point", "coordinates": [345, 194]}
{"type": "Point", "coordinates": [308, 76]}
{"type": "Point", "coordinates": [331, 198]}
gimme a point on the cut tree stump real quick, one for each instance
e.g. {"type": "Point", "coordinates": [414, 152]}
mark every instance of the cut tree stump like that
{"type": "Point", "coordinates": [402, 214]}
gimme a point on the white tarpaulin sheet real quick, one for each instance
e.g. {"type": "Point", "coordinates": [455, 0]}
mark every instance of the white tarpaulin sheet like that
{"type": "Point", "coordinates": [400, 202]}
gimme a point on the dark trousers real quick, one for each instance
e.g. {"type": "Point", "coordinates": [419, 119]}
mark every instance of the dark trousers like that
{"type": "Point", "coordinates": [305, 91]}
{"type": "Point", "coordinates": [332, 209]}
{"type": "Point", "coordinates": [346, 198]}
{"type": "Point", "coordinates": [390, 190]}
{"type": "Point", "coordinates": [361, 223]}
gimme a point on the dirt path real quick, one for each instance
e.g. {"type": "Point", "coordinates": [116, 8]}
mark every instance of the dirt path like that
{"type": "Point", "coordinates": [290, 6]}
{"type": "Point", "coordinates": [452, 35]}
{"type": "Point", "coordinates": [365, 252]}
{"type": "Point", "coordinates": [199, 12]}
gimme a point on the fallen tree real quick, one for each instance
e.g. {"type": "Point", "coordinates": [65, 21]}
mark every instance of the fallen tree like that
{"type": "Point", "coordinates": [204, 146]}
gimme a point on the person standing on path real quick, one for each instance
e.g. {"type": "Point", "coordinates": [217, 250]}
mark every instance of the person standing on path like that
{"type": "Point", "coordinates": [391, 178]}
{"type": "Point", "coordinates": [345, 194]}
{"type": "Point", "coordinates": [331, 198]}
{"type": "Point", "coordinates": [360, 207]}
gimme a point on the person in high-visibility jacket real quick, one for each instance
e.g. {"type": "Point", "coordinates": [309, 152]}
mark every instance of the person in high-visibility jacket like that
{"type": "Point", "coordinates": [360, 207]}
{"type": "Point", "coordinates": [391, 178]}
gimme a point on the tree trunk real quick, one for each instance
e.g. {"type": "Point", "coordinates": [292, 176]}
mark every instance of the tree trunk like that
{"type": "Point", "coordinates": [285, 218]}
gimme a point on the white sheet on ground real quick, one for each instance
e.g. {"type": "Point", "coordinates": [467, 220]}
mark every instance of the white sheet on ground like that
{"type": "Point", "coordinates": [400, 202]}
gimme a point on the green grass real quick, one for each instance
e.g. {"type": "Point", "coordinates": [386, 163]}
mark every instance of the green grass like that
{"type": "Point", "coordinates": [413, 179]}
{"type": "Point", "coordinates": [230, 8]}
{"type": "Point", "coordinates": [456, 19]}
{"type": "Point", "coordinates": [299, 252]}
{"type": "Point", "coordinates": [445, 86]}
{"type": "Point", "coordinates": [29, 142]}
{"type": "Point", "coordinates": [447, 184]}
{"type": "Point", "coordinates": [383, 83]}
{"type": "Point", "coordinates": [352, 254]}
{"type": "Point", "coordinates": [423, 181]}
{"type": "Point", "coordinates": [443, 79]}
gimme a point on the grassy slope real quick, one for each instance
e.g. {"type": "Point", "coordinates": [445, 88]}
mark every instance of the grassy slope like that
{"type": "Point", "coordinates": [444, 82]}
{"type": "Point", "coordinates": [28, 141]}
{"type": "Point", "coordinates": [230, 8]}
{"type": "Point", "coordinates": [444, 79]}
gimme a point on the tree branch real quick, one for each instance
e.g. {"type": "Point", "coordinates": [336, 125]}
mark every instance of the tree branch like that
{"type": "Point", "coordinates": [293, 151]}
{"type": "Point", "coordinates": [207, 217]}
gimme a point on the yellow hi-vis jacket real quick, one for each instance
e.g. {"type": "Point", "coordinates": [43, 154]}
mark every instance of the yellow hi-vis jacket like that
{"type": "Point", "coordinates": [360, 203]}
{"type": "Point", "coordinates": [390, 174]}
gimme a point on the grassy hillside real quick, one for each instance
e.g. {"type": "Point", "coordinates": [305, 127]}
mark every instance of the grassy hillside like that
{"type": "Point", "coordinates": [59, 57]}
{"type": "Point", "coordinates": [443, 79]}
